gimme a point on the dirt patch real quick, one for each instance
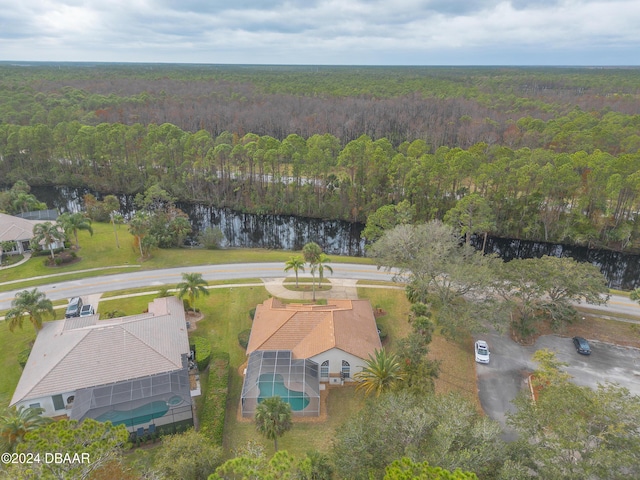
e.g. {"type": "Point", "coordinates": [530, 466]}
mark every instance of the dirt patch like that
{"type": "Point", "coordinates": [193, 318]}
{"type": "Point", "coordinates": [62, 259]}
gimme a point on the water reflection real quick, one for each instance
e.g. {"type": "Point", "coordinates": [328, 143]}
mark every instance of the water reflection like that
{"type": "Point", "coordinates": [336, 237]}
{"type": "Point", "coordinates": [620, 269]}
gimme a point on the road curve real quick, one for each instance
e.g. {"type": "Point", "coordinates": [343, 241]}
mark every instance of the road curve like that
{"type": "Point", "coordinates": [155, 278]}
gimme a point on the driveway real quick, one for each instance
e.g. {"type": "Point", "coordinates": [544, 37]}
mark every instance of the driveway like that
{"type": "Point", "coordinates": [511, 363]}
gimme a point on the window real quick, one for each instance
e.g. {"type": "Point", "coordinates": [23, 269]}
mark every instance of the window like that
{"type": "Point", "coordinates": [58, 403]}
{"type": "Point", "coordinates": [346, 369]}
{"type": "Point", "coordinates": [324, 369]}
{"type": "Point", "coordinates": [34, 405]}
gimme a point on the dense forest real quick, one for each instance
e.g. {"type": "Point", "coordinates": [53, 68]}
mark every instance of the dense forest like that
{"type": "Point", "coordinates": [553, 151]}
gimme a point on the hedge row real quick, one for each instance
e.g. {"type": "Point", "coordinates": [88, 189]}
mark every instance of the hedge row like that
{"type": "Point", "coordinates": [215, 401]}
{"type": "Point", "coordinates": [203, 352]}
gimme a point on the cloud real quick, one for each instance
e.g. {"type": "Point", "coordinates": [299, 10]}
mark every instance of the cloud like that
{"type": "Point", "coordinates": [323, 31]}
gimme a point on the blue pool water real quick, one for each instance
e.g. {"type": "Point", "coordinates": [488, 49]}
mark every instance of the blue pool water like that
{"type": "Point", "coordinates": [271, 385]}
{"type": "Point", "coordinates": [137, 416]}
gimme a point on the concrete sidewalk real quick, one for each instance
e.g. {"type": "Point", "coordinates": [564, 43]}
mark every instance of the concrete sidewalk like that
{"type": "Point", "coordinates": [26, 258]}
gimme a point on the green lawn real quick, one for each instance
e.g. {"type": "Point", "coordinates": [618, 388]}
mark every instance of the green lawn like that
{"type": "Point", "coordinates": [100, 251]}
{"type": "Point", "coordinates": [226, 313]}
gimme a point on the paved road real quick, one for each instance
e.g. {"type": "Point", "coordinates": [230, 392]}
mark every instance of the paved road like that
{"type": "Point", "coordinates": [505, 376]}
{"type": "Point", "coordinates": [122, 281]}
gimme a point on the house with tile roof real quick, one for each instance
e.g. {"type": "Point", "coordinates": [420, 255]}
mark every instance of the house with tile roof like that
{"type": "Point", "coordinates": [338, 336]}
{"type": "Point", "coordinates": [295, 349]}
{"type": "Point", "coordinates": [132, 370]}
{"type": "Point", "coordinates": [19, 232]}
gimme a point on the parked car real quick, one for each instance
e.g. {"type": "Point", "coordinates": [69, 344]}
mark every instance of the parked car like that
{"type": "Point", "coordinates": [87, 310]}
{"type": "Point", "coordinates": [582, 346]}
{"type": "Point", "coordinates": [482, 352]}
{"type": "Point", "coordinates": [73, 309]}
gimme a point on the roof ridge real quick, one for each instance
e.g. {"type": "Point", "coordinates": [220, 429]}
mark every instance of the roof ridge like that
{"type": "Point", "coordinates": [83, 334]}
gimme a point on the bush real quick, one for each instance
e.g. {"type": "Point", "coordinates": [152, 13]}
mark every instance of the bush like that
{"type": "Point", "coordinates": [212, 415]}
{"type": "Point", "coordinates": [382, 331]}
{"type": "Point", "coordinates": [243, 338]}
{"type": "Point", "coordinates": [252, 313]}
{"type": "Point", "coordinates": [211, 238]}
{"type": "Point", "coordinates": [23, 356]}
{"type": "Point", "coordinates": [203, 352]}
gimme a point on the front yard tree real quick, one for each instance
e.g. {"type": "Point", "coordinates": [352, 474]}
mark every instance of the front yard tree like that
{"type": "Point", "coordinates": [578, 432]}
{"type": "Point", "coordinates": [547, 288]}
{"type": "Point", "coordinates": [15, 423]}
{"type": "Point", "coordinates": [112, 206]}
{"type": "Point", "coordinates": [444, 430]}
{"type": "Point", "coordinates": [454, 278]}
{"type": "Point", "coordinates": [192, 285]}
{"type": "Point", "coordinates": [312, 253]}
{"type": "Point", "coordinates": [140, 226]}
{"type": "Point", "coordinates": [273, 418]}
{"type": "Point", "coordinates": [296, 264]}
{"type": "Point", "coordinates": [187, 456]}
{"type": "Point", "coordinates": [406, 469]}
{"type": "Point", "coordinates": [72, 222]}
{"type": "Point", "coordinates": [323, 260]}
{"type": "Point", "coordinates": [381, 373]}
{"type": "Point", "coordinates": [99, 442]}
{"type": "Point", "coordinates": [29, 303]}
{"type": "Point", "coordinates": [49, 233]}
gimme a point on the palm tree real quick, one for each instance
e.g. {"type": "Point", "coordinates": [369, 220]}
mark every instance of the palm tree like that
{"type": "Point", "coordinates": [16, 423]}
{"type": "Point", "coordinates": [49, 233]}
{"type": "Point", "coordinates": [139, 227]}
{"type": "Point", "coordinates": [322, 261]}
{"type": "Point", "coordinates": [31, 303]}
{"type": "Point", "coordinates": [312, 253]}
{"type": "Point", "coordinates": [193, 285]}
{"type": "Point", "coordinates": [382, 373]}
{"type": "Point", "coordinates": [295, 264]}
{"type": "Point", "coordinates": [72, 222]}
{"type": "Point", "coordinates": [273, 418]}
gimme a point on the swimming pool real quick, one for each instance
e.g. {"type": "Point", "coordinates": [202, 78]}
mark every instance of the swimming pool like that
{"type": "Point", "coordinates": [271, 385]}
{"type": "Point", "coordinates": [137, 416]}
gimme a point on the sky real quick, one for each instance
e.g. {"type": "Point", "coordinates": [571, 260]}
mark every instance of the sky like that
{"type": "Point", "coordinates": [323, 32]}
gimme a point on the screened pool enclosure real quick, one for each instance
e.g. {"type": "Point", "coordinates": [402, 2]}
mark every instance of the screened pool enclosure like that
{"type": "Point", "coordinates": [162, 399]}
{"type": "Point", "coordinates": [275, 372]}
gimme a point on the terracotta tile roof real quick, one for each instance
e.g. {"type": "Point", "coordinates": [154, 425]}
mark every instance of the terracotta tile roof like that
{"type": "Point", "coordinates": [309, 330]}
{"type": "Point", "coordinates": [78, 353]}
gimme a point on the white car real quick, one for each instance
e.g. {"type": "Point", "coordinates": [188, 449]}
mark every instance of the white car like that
{"type": "Point", "coordinates": [86, 310]}
{"type": "Point", "coordinates": [482, 352]}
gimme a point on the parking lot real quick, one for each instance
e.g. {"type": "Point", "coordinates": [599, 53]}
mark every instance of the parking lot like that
{"type": "Point", "coordinates": [500, 381]}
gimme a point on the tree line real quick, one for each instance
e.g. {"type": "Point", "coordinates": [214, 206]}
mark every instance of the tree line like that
{"type": "Point", "coordinates": [535, 194]}
{"type": "Point", "coordinates": [553, 151]}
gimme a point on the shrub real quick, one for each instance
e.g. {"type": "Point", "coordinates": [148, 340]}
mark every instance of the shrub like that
{"type": "Point", "coordinates": [211, 238]}
{"type": "Point", "coordinates": [382, 331]}
{"type": "Point", "coordinates": [203, 352]}
{"type": "Point", "coordinates": [215, 401]}
{"type": "Point", "coordinates": [243, 338]}
{"type": "Point", "coordinates": [252, 313]}
{"type": "Point", "coordinates": [23, 356]}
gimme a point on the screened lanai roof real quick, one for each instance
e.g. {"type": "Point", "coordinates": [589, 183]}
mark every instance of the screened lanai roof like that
{"type": "Point", "coordinates": [276, 372]}
{"type": "Point", "coordinates": [155, 387]}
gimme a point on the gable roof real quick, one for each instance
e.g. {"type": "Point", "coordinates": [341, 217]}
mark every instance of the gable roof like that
{"type": "Point", "coordinates": [308, 330]}
{"type": "Point", "coordinates": [82, 352]}
{"type": "Point", "coordinates": [15, 228]}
